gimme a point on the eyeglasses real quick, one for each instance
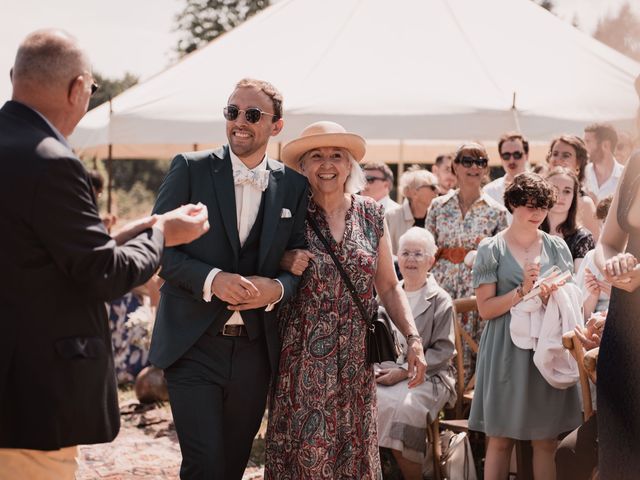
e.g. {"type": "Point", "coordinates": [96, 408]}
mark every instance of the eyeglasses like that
{"type": "Point", "coordinates": [252, 115]}
{"type": "Point", "coordinates": [508, 155]}
{"type": "Point", "coordinates": [417, 255]}
{"type": "Point", "coordinates": [467, 162]}
{"type": "Point", "coordinates": [94, 85]}
{"type": "Point", "coordinates": [371, 179]}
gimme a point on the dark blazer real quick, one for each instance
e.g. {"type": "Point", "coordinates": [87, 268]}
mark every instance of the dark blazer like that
{"type": "Point", "coordinates": [59, 266]}
{"type": "Point", "coordinates": [207, 177]}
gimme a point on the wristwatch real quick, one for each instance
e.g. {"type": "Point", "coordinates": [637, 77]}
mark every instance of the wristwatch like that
{"type": "Point", "coordinates": [413, 336]}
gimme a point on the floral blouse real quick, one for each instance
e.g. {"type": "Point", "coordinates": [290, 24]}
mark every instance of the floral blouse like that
{"type": "Point", "coordinates": [484, 219]}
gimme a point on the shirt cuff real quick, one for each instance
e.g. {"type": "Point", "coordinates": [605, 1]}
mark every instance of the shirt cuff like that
{"type": "Point", "coordinates": [206, 290]}
{"type": "Point", "coordinates": [271, 306]}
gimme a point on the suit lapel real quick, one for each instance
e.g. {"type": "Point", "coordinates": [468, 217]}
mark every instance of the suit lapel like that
{"type": "Point", "coordinates": [222, 175]}
{"type": "Point", "coordinates": [274, 197]}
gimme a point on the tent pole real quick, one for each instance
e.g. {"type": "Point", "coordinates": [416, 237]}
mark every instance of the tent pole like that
{"type": "Point", "coordinates": [399, 196]}
{"type": "Point", "coordinates": [109, 176]}
{"type": "Point", "coordinates": [514, 112]}
{"type": "Point", "coordinates": [109, 165]}
{"type": "Point", "coordinates": [195, 147]}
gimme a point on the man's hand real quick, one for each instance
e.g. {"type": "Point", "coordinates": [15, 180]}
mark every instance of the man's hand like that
{"type": "Point", "coordinates": [391, 376]}
{"type": "Point", "coordinates": [417, 364]}
{"type": "Point", "coordinates": [268, 292]}
{"type": "Point", "coordinates": [233, 288]}
{"type": "Point", "coordinates": [296, 261]}
{"type": "Point", "coordinates": [133, 229]}
{"type": "Point", "coordinates": [184, 224]}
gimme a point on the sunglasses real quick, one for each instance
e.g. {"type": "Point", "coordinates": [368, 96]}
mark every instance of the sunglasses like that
{"type": "Point", "coordinates": [467, 162]}
{"type": "Point", "coordinates": [252, 115]}
{"type": "Point", "coordinates": [432, 187]}
{"type": "Point", "coordinates": [508, 155]}
{"type": "Point", "coordinates": [94, 87]}
{"type": "Point", "coordinates": [371, 179]}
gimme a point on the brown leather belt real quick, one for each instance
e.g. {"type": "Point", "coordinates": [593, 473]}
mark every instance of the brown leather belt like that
{"type": "Point", "coordinates": [232, 330]}
{"type": "Point", "coordinates": [453, 254]}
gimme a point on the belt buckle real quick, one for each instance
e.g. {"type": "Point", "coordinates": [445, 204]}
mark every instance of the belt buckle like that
{"type": "Point", "coordinates": [231, 330]}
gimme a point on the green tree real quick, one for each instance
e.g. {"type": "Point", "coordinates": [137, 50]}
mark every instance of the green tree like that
{"type": "Point", "coordinates": [110, 87]}
{"type": "Point", "coordinates": [203, 20]}
{"type": "Point", "coordinates": [621, 31]}
{"type": "Point", "coordinates": [546, 4]}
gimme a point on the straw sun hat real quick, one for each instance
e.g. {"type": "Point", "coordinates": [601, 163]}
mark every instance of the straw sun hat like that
{"type": "Point", "coordinates": [322, 134]}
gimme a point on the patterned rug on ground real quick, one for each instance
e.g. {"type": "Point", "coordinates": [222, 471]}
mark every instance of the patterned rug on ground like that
{"type": "Point", "coordinates": [146, 448]}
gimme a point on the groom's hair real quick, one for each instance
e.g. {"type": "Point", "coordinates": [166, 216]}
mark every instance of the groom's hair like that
{"type": "Point", "coordinates": [269, 90]}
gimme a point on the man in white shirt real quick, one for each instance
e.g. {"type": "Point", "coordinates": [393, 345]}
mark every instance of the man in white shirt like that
{"type": "Point", "coordinates": [513, 148]}
{"type": "Point", "coordinates": [379, 184]}
{"type": "Point", "coordinates": [216, 333]}
{"type": "Point", "coordinates": [604, 171]}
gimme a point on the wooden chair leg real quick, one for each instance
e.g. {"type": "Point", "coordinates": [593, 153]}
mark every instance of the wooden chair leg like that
{"type": "Point", "coordinates": [436, 449]}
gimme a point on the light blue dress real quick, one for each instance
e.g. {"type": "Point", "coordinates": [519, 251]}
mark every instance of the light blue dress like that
{"type": "Point", "coordinates": [511, 397]}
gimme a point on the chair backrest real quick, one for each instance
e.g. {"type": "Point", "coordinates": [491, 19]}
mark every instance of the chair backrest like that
{"type": "Point", "coordinates": [460, 306]}
{"type": "Point", "coordinates": [572, 343]}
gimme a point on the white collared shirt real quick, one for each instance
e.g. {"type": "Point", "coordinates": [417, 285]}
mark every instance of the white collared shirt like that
{"type": "Point", "coordinates": [495, 190]}
{"type": "Point", "coordinates": [248, 198]}
{"type": "Point", "coordinates": [608, 187]}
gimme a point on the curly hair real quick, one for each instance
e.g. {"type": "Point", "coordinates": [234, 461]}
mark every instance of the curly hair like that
{"type": "Point", "coordinates": [529, 189]}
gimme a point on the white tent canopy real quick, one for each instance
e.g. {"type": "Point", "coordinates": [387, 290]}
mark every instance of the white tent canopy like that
{"type": "Point", "coordinates": [410, 69]}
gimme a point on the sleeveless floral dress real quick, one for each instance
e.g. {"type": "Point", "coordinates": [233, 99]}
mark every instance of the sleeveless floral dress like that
{"type": "Point", "coordinates": [322, 410]}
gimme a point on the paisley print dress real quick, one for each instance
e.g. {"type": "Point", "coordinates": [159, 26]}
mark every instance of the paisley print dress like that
{"type": "Point", "coordinates": [322, 410]}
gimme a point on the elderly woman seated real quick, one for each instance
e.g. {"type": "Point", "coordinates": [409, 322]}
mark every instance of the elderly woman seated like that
{"type": "Point", "coordinates": [403, 411]}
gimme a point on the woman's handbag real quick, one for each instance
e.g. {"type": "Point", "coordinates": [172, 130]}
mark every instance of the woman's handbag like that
{"type": "Point", "coordinates": [381, 342]}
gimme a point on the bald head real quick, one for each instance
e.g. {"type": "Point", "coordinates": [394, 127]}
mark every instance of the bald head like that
{"type": "Point", "coordinates": [52, 75]}
{"type": "Point", "coordinates": [50, 58]}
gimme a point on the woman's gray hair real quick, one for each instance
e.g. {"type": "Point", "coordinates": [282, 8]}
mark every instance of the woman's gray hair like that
{"type": "Point", "coordinates": [422, 235]}
{"type": "Point", "coordinates": [356, 179]}
{"type": "Point", "coordinates": [416, 177]}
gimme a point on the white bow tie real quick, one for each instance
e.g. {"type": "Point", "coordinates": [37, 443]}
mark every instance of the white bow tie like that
{"type": "Point", "coordinates": [257, 178]}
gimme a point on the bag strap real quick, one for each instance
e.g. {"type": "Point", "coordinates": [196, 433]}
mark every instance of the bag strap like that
{"type": "Point", "coordinates": [344, 275]}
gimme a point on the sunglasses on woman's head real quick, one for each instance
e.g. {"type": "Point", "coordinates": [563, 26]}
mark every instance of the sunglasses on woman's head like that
{"type": "Point", "coordinates": [467, 162]}
{"type": "Point", "coordinates": [508, 155]}
{"type": "Point", "coordinates": [252, 115]}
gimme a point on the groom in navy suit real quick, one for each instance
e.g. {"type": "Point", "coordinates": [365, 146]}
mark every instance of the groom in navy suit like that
{"type": "Point", "coordinates": [216, 335]}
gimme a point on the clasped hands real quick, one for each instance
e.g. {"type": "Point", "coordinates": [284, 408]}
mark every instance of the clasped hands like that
{"type": "Point", "coordinates": [245, 293]}
{"type": "Point", "coordinates": [622, 271]}
{"type": "Point", "coordinates": [417, 368]}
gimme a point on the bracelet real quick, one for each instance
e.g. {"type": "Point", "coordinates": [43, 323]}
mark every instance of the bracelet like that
{"type": "Point", "coordinates": [413, 336]}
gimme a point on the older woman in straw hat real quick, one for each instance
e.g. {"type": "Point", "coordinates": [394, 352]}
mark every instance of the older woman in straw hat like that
{"type": "Point", "coordinates": [322, 414]}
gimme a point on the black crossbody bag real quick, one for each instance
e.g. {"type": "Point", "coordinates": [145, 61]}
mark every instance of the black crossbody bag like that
{"type": "Point", "coordinates": [382, 344]}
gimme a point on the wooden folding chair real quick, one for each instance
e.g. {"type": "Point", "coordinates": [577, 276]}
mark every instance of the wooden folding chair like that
{"type": "Point", "coordinates": [572, 343]}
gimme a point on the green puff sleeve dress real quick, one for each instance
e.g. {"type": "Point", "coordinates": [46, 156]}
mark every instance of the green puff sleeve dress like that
{"type": "Point", "coordinates": [511, 397]}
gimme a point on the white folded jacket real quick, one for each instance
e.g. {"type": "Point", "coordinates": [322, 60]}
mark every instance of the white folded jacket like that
{"type": "Point", "coordinates": [539, 328]}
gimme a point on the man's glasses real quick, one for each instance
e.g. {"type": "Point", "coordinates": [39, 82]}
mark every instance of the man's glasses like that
{"type": "Point", "coordinates": [94, 87]}
{"type": "Point", "coordinates": [252, 115]}
{"type": "Point", "coordinates": [467, 162]}
{"type": "Point", "coordinates": [508, 155]}
{"type": "Point", "coordinates": [372, 179]}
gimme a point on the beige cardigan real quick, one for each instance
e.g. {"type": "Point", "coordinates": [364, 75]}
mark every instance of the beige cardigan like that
{"type": "Point", "coordinates": [399, 220]}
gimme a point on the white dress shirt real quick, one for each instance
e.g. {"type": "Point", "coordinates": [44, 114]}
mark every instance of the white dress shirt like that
{"type": "Point", "coordinates": [608, 187]}
{"type": "Point", "coordinates": [495, 190]}
{"type": "Point", "coordinates": [248, 198]}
